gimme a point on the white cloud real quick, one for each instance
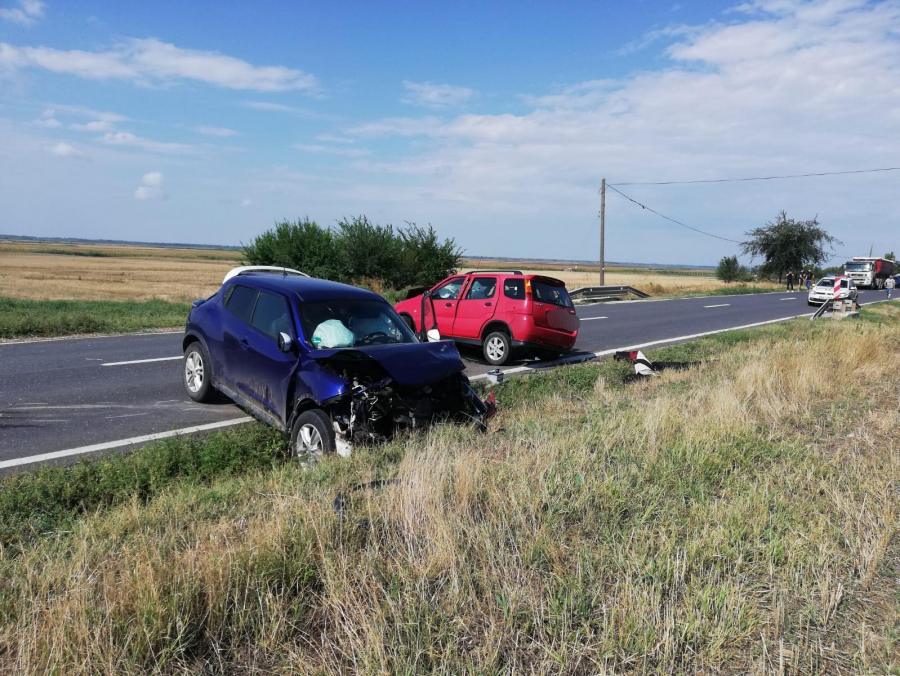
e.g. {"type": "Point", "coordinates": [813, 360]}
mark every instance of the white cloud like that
{"type": "Point", "coordinates": [246, 202]}
{"type": "Point", "coordinates": [793, 87]}
{"type": "Point", "coordinates": [64, 150]}
{"type": "Point", "coordinates": [81, 111]}
{"type": "Point", "coordinates": [93, 125]}
{"type": "Point", "coordinates": [334, 138]}
{"type": "Point", "coordinates": [305, 113]}
{"type": "Point", "coordinates": [272, 107]}
{"type": "Point", "coordinates": [151, 187]}
{"type": "Point", "coordinates": [124, 138]}
{"type": "Point", "coordinates": [153, 61]}
{"type": "Point", "coordinates": [319, 149]}
{"type": "Point", "coordinates": [153, 179]}
{"type": "Point", "coordinates": [46, 123]}
{"type": "Point", "coordinates": [402, 126]}
{"type": "Point", "coordinates": [215, 131]}
{"type": "Point", "coordinates": [433, 95]}
{"type": "Point", "coordinates": [26, 14]}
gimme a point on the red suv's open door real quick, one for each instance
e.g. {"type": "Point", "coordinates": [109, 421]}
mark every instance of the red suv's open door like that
{"type": "Point", "coordinates": [476, 308]}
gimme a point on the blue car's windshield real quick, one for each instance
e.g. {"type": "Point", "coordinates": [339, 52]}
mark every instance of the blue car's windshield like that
{"type": "Point", "coordinates": [352, 323]}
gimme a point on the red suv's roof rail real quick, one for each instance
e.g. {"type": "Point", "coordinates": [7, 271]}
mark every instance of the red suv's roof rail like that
{"type": "Point", "coordinates": [504, 272]}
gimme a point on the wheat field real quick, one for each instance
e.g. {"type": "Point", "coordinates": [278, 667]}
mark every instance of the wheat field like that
{"type": "Point", "coordinates": [30, 272]}
{"type": "Point", "coordinates": [38, 271]}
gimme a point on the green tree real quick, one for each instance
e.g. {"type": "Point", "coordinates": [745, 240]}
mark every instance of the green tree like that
{"type": "Point", "coordinates": [358, 252]}
{"type": "Point", "coordinates": [787, 244]}
{"type": "Point", "coordinates": [728, 270]}
{"type": "Point", "coordinates": [303, 245]}
{"type": "Point", "coordinates": [368, 252]}
{"type": "Point", "coordinates": [425, 259]}
{"type": "Point", "coordinates": [890, 256]}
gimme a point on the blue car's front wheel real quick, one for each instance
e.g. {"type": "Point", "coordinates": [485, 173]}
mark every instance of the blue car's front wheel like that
{"type": "Point", "coordinates": [312, 436]}
{"type": "Point", "coordinates": [197, 372]}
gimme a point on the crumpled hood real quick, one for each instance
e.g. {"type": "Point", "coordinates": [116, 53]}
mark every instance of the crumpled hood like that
{"type": "Point", "coordinates": [413, 364]}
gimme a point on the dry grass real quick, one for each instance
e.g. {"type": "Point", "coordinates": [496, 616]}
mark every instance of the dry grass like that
{"type": "Point", "coordinates": [738, 519]}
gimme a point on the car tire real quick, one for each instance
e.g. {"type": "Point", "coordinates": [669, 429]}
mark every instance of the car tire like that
{"type": "Point", "coordinates": [497, 348]}
{"type": "Point", "coordinates": [312, 437]}
{"type": "Point", "coordinates": [409, 322]}
{"type": "Point", "coordinates": [196, 373]}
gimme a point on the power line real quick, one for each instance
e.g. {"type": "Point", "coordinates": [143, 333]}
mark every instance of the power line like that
{"type": "Point", "coordinates": [763, 178]}
{"type": "Point", "coordinates": [683, 225]}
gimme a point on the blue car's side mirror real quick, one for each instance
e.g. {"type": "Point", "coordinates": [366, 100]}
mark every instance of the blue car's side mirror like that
{"type": "Point", "coordinates": [285, 342]}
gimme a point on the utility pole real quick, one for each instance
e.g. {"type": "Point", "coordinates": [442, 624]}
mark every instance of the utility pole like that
{"type": "Point", "coordinates": [871, 248]}
{"type": "Point", "coordinates": [602, 231]}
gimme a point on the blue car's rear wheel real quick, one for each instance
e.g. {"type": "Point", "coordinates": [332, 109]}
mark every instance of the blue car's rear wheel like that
{"type": "Point", "coordinates": [312, 437]}
{"type": "Point", "coordinates": [197, 372]}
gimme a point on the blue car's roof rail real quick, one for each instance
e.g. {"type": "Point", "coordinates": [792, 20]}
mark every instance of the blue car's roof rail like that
{"type": "Point", "coordinates": [250, 269]}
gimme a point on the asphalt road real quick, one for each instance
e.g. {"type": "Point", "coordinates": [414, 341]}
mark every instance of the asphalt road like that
{"type": "Point", "coordinates": [85, 394]}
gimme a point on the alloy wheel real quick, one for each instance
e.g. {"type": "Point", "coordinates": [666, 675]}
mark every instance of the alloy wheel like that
{"type": "Point", "coordinates": [309, 441]}
{"type": "Point", "coordinates": [193, 371]}
{"type": "Point", "coordinates": [495, 349]}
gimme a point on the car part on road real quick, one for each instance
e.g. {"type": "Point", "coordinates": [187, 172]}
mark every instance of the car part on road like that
{"type": "Point", "coordinates": [644, 368]}
{"type": "Point", "coordinates": [340, 500]}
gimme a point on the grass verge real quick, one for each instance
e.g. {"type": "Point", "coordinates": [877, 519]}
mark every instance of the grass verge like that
{"type": "Point", "coordinates": [737, 518]}
{"type": "Point", "coordinates": [45, 318]}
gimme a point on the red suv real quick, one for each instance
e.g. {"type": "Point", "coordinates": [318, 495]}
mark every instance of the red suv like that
{"type": "Point", "coordinates": [500, 310]}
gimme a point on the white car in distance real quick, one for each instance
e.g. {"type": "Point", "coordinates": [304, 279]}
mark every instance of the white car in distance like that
{"type": "Point", "coordinates": [824, 290]}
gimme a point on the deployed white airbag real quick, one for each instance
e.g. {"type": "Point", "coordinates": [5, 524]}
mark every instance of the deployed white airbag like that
{"type": "Point", "coordinates": [332, 333]}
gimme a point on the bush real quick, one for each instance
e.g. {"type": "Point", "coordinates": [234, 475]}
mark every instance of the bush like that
{"type": "Point", "coordinates": [358, 252]}
{"type": "Point", "coordinates": [302, 245]}
{"type": "Point", "coordinates": [729, 269]}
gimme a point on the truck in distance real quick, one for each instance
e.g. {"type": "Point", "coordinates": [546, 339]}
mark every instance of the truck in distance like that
{"type": "Point", "coordinates": [869, 272]}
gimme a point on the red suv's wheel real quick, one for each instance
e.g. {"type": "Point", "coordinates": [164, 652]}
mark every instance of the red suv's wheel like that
{"type": "Point", "coordinates": [497, 348]}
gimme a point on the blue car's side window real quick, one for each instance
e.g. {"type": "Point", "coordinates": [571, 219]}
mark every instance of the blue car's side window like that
{"type": "Point", "coordinates": [241, 302]}
{"type": "Point", "coordinates": [271, 315]}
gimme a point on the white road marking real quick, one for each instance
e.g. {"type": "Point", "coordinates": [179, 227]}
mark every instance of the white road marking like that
{"type": "Point", "coordinates": [587, 319]}
{"type": "Point", "coordinates": [26, 341]}
{"type": "Point", "coordinates": [791, 298]}
{"type": "Point", "coordinates": [138, 361]}
{"type": "Point", "coordinates": [719, 305]}
{"type": "Point", "coordinates": [16, 462]}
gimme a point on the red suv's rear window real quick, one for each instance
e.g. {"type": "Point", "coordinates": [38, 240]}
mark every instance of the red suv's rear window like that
{"type": "Point", "coordinates": [514, 288]}
{"type": "Point", "coordinates": [549, 293]}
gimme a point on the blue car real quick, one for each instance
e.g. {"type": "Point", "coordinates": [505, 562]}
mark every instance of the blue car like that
{"type": "Point", "coordinates": [329, 363]}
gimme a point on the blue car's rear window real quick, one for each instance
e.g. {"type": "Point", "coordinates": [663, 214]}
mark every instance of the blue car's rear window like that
{"type": "Point", "coordinates": [241, 302]}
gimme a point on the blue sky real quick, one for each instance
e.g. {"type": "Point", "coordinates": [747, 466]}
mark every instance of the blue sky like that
{"type": "Point", "coordinates": [207, 122]}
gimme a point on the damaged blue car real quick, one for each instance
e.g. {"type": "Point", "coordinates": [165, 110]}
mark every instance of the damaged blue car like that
{"type": "Point", "coordinates": [328, 363]}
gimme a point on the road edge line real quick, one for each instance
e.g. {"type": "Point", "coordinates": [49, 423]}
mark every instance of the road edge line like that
{"type": "Point", "coordinates": [81, 450]}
